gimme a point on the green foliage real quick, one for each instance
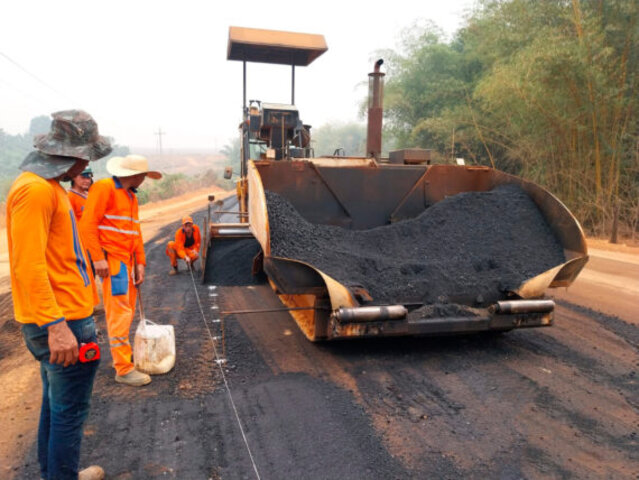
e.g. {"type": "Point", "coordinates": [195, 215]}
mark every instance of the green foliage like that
{"type": "Point", "coordinates": [233, 153]}
{"type": "Point", "coordinates": [350, 137]}
{"type": "Point", "coordinates": [427, 94]}
{"type": "Point", "coordinates": [546, 90]}
{"type": "Point", "coordinates": [173, 184]}
{"type": "Point", "coordinates": [13, 149]}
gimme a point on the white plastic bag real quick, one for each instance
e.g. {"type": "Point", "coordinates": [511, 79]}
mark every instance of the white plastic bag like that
{"type": "Point", "coordinates": [154, 347]}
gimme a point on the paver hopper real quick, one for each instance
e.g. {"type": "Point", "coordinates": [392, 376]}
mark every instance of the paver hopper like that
{"type": "Point", "coordinates": [365, 195]}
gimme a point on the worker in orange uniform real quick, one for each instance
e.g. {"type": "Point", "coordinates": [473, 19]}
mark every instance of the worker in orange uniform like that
{"type": "Point", "coordinates": [79, 190]}
{"type": "Point", "coordinates": [185, 246]}
{"type": "Point", "coordinates": [53, 290]}
{"type": "Point", "coordinates": [111, 232]}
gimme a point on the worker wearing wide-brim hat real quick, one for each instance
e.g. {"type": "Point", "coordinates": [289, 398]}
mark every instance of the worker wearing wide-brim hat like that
{"type": "Point", "coordinates": [52, 287]}
{"type": "Point", "coordinates": [110, 228]}
{"type": "Point", "coordinates": [186, 245]}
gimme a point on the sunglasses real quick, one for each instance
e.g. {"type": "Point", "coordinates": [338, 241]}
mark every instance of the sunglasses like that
{"type": "Point", "coordinates": [87, 175]}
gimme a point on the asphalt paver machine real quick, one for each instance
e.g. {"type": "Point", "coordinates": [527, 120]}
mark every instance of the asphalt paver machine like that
{"type": "Point", "coordinates": [360, 193]}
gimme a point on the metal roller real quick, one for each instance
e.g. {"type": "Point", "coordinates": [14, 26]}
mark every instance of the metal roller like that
{"type": "Point", "coordinates": [370, 314]}
{"type": "Point", "coordinates": [230, 230]}
{"type": "Point", "coordinates": [523, 306]}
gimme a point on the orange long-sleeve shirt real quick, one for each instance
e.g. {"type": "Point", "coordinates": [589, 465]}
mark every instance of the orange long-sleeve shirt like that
{"type": "Point", "coordinates": [180, 240]}
{"type": "Point", "coordinates": [110, 223]}
{"type": "Point", "coordinates": [50, 281]}
{"type": "Point", "coordinates": [77, 201]}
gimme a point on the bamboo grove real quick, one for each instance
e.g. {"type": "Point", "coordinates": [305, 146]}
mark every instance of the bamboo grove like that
{"type": "Point", "coordinates": [543, 89]}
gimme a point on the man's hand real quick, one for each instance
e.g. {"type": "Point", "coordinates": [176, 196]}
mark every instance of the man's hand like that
{"type": "Point", "coordinates": [62, 344]}
{"type": "Point", "coordinates": [187, 260]}
{"type": "Point", "coordinates": [101, 268]}
{"type": "Point", "coordinates": [139, 274]}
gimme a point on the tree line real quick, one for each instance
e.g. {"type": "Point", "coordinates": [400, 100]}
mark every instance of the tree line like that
{"type": "Point", "coordinates": [542, 89]}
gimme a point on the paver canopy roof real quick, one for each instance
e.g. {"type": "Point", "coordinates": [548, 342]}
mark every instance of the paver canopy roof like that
{"type": "Point", "coordinates": [273, 46]}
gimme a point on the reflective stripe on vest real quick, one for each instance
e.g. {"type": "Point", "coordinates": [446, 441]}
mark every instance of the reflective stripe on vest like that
{"type": "Point", "coordinates": [113, 229]}
{"type": "Point", "coordinates": [119, 217]}
{"type": "Point", "coordinates": [118, 341]}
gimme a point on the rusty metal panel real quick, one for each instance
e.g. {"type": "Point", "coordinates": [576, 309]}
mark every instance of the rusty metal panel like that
{"type": "Point", "coordinates": [293, 277]}
{"type": "Point", "coordinates": [371, 195]}
{"type": "Point", "coordinates": [273, 46]}
{"type": "Point", "coordinates": [446, 180]}
{"type": "Point", "coordinates": [355, 197]}
{"type": "Point", "coordinates": [300, 184]}
{"type": "Point", "coordinates": [410, 156]}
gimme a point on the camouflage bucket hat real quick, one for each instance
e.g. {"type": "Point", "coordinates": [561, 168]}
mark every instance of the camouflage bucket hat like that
{"type": "Point", "coordinates": [46, 166]}
{"type": "Point", "coordinates": [73, 133]}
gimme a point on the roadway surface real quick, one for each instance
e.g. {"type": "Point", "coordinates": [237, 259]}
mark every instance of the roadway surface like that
{"type": "Point", "coordinates": [559, 402]}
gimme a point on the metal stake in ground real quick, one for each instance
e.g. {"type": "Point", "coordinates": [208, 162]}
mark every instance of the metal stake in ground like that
{"type": "Point", "coordinates": [139, 289]}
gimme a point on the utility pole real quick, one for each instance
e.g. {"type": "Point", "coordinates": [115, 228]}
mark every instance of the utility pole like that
{"type": "Point", "coordinates": [452, 147]}
{"type": "Point", "coordinates": [159, 133]}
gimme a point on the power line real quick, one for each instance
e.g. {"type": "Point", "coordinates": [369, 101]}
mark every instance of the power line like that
{"type": "Point", "coordinates": [24, 93]}
{"type": "Point", "coordinates": [37, 78]}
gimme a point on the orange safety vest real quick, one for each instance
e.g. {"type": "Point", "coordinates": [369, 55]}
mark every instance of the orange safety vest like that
{"type": "Point", "coordinates": [110, 223]}
{"type": "Point", "coordinates": [180, 240]}
{"type": "Point", "coordinates": [77, 200]}
{"type": "Point", "coordinates": [50, 281]}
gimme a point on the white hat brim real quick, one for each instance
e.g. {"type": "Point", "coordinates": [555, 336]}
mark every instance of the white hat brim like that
{"type": "Point", "coordinates": [115, 168]}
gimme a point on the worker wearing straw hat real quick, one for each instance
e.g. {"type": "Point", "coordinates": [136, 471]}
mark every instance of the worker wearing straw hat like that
{"type": "Point", "coordinates": [111, 232]}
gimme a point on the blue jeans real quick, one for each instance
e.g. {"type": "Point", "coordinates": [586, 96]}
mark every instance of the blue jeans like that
{"type": "Point", "coordinates": [66, 394]}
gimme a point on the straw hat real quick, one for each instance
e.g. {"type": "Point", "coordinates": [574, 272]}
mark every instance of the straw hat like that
{"type": "Point", "coordinates": [131, 165]}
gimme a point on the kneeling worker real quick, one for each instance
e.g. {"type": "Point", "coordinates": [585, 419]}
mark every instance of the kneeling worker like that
{"type": "Point", "coordinates": [185, 246]}
{"type": "Point", "coordinates": [111, 232]}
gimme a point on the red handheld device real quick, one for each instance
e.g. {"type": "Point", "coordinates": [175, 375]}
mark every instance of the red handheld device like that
{"type": "Point", "coordinates": [89, 352]}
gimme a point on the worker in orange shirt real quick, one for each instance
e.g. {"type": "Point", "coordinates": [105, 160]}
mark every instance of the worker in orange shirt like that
{"type": "Point", "coordinates": [185, 246]}
{"type": "Point", "coordinates": [79, 190]}
{"type": "Point", "coordinates": [111, 232]}
{"type": "Point", "coordinates": [53, 290]}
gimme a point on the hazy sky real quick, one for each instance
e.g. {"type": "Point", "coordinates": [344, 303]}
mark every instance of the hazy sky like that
{"type": "Point", "coordinates": [138, 65]}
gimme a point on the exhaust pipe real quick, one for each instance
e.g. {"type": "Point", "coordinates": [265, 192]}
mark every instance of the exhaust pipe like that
{"type": "Point", "coordinates": [370, 314]}
{"type": "Point", "coordinates": [375, 111]}
{"type": "Point", "coordinates": [523, 306]}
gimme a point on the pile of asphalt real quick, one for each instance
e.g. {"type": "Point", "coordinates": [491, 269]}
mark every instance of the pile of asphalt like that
{"type": "Point", "coordinates": [469, 248]}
